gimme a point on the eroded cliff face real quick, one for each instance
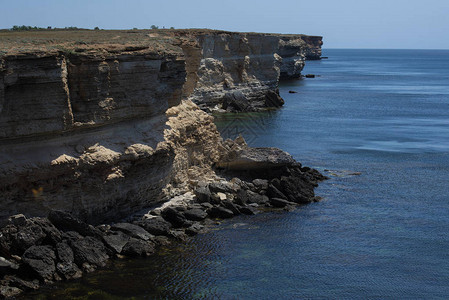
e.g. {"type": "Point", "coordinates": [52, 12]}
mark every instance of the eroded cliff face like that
{"type": "Point", "coordinates": [92, 133]}
{"type": "Point", "coordinates": [313, 49]}
{"type": "Point", "coordinates": [292, 49]}
{"type": "Point", "coordinates": [233, 71]}
{"type": "Point", "coordinates": [104, 129]}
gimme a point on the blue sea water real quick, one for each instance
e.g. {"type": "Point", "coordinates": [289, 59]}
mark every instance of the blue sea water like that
{"type": "Point", "coordinates": [381, 234]}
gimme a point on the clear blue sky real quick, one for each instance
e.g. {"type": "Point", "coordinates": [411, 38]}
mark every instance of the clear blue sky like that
{"type": "Point", "coordinates": [422, 24]}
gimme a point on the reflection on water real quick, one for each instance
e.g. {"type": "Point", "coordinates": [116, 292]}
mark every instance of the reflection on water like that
{"type": "Point", "coordinates": [379, 234]}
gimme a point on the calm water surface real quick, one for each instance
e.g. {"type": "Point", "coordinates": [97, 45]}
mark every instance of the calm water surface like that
{"type": "Point", "coordinates": [382, 234]}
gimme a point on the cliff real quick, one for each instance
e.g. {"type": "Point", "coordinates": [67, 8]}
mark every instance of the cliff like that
{"type": "Point", "coordinates": [102, 124]}
{"type": "Point", "coordinates": [313, 48]}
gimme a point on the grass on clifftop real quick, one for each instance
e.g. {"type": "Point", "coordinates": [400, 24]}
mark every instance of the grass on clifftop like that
{"type": "Point", "coordinates": [41, 41]}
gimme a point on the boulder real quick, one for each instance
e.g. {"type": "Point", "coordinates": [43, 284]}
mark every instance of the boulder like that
{"type": "Point", "coordinates": [231, 206]}
{"type": "Point", "coordinates": [252, 159]}
{"type": "Point", "coordinates": [236, 101]}
{"type": "Point", "coordinates": [195, 214]}
{"type": "Point", "coordinates": [297, 189]}
{"type": "Point", "coordinates": [222, 187]}
{"type": "Point", "coordinates": [90, 250]}
{"type": "Point", "coordinates": [66, 222]}
{"type": "Point", "coordinates": [7, 266]}
{"type": "Point", "coordinates": [116, 241]}
{"type": "Point", "coordinates": [220, 212]}
{"type": "Point", "coordinates": [174, 216]}
{"type": "Point", "coordinates": [156, 226]}
{"type": "Point", "coordinates": [69, 270]}
{"type": "Point", "coordinates": [278, 202]}
{"type": "Point", "coordinates": [66, 266]}
{"type": "Point", "coordinates": [16, 282]}
{"type": "Point", "coordinates": [137, 247]}
{"type": "Point", "coordinates": [132, 230]}
{"type": "Point", "coordinates": [41, 259]}
{"type": "Point", "coordinates": [260, 184]}
{"type": "Point", "coordinates": [273, 99]}
{"type": "Point", "coordinates": [9, 292]}
{"type": "Point", "coordinates": [248, 210]}
{"type": "Point", "coordinates": [252, 197]}
{"type": "Point", "coordinates": [273, 192]}
{"type": "Point", "coordinates": [194, 229]}
{"type": "Point", "coordinates": [17, 220]}
{"type": "Point", "coordinates": [203, 193]}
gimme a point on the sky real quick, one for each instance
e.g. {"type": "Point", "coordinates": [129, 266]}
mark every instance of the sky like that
{"type": "Point", "coordinates": [396, 24]}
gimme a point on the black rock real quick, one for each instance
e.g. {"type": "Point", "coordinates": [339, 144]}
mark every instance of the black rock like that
{"type": "Point", "coordinates": [66, 266]}
{"type": "Point", "coordinates": [231, 206]}
{"type": "Point", "coordinates": [69, 270]}
{"type": "Point", "coordinates": [274, 192]}
{"type": "Point", "coordinates": [66, 222]}
{"type": "Point", "coordinates": [71, 236]}
{"type": "Point", "coordinates": [7, 267]}
{"type": "Point", "coordinates": [297, 189]}
{"type": "Point", "coordinates": [292, 92]}
{"type": "Point", "coordinates": [156, 226]}
{"type": "Point", "coordinates": [206, 205]}
{"type": "Point", "coordinates": [174, 216]}
{"type": "Point", "coordinates": [272, 99]}
{"type": "Point", "coordinates": [216, 187]}
{"type": "Point", "coordinates": [64, 253]}
{"type": "Point", "coordinates": [90, 250]}
{"type": "Point", "coordinates": [195, 214]}
{"type": "Point", "coordinates": [194, 229]}
{"type": "Point", "coordinates": [17, 220]}
{"type": "Point", "coordinates": [132, 230]}
{"type": "Point", "coordinates": [15, 240]}
{"type": "Point", "coordinates": [248, 210]}
{"type": "Point", "coordinates": [52, 234]}
{"type": "Point", "coordinates": [9, 292]}
{"type": "Point", "coordinates": [278, 202]}
{"type": "Point", "coordinates": [256, 198]}
{"type": "Point", "coordinates": [260, 184]}
{"type": "Point", "coordinates": [203, 194]}
{"type": "Point", "coordinates": [310, 76]}
{"type": "Point", "coordinates": [236, 101]}
{"type": "Point", "coordinates": [116, 241]}
{"type": "Point", "coordinates": [138, 247]}
{"type": "Point", "coordinates": [24, 285]}
{"type": "Point", "coordinates": [41, 259]}
{"type": "Point", "coordinates": [220, 212]}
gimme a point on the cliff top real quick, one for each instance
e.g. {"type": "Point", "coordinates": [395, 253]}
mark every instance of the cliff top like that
{"type": "Point", "coordinates": [94, 42]}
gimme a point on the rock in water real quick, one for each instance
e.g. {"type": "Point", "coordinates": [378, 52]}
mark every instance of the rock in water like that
{"type": "Point", "coordinates": [195, 214]}
{"type": "Point", "coordinates": [89, 250]}
{"type": "Point", "coordinates": [41, 259]}
{"type": "Point", "coordinates": [156, 226]}
{"type": "Point", "coordinates": [220, 212]}
{"type": "Point", "coordinates": [133, 230]}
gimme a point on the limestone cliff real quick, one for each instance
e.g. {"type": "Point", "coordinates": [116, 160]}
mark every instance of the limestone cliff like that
{"type": "Point", "coordinates": [234, 71]}
{"type": "Point", "coordinates": [313, 48]}
{"type": "Point", "coordinates": [102, 124]}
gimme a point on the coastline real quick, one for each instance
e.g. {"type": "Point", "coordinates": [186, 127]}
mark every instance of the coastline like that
{"type": "Point", "coordinates": [88, 170]}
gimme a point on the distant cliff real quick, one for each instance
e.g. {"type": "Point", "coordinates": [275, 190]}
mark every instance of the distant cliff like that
{"type": "Point", "coordinates": [103, 123]}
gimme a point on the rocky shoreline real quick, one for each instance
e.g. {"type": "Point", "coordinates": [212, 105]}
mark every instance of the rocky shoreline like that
{"type": "Point", "coordinates": [96, 126]}
{"type": "Point", "coordinates": [40, 250]}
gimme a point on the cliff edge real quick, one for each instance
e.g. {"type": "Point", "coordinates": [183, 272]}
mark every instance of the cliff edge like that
{"type": "Point", "coordinates": [104, 123]}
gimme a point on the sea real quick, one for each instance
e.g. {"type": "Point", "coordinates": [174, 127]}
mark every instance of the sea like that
{"type": "Point", "coordinates": [376, 122]}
